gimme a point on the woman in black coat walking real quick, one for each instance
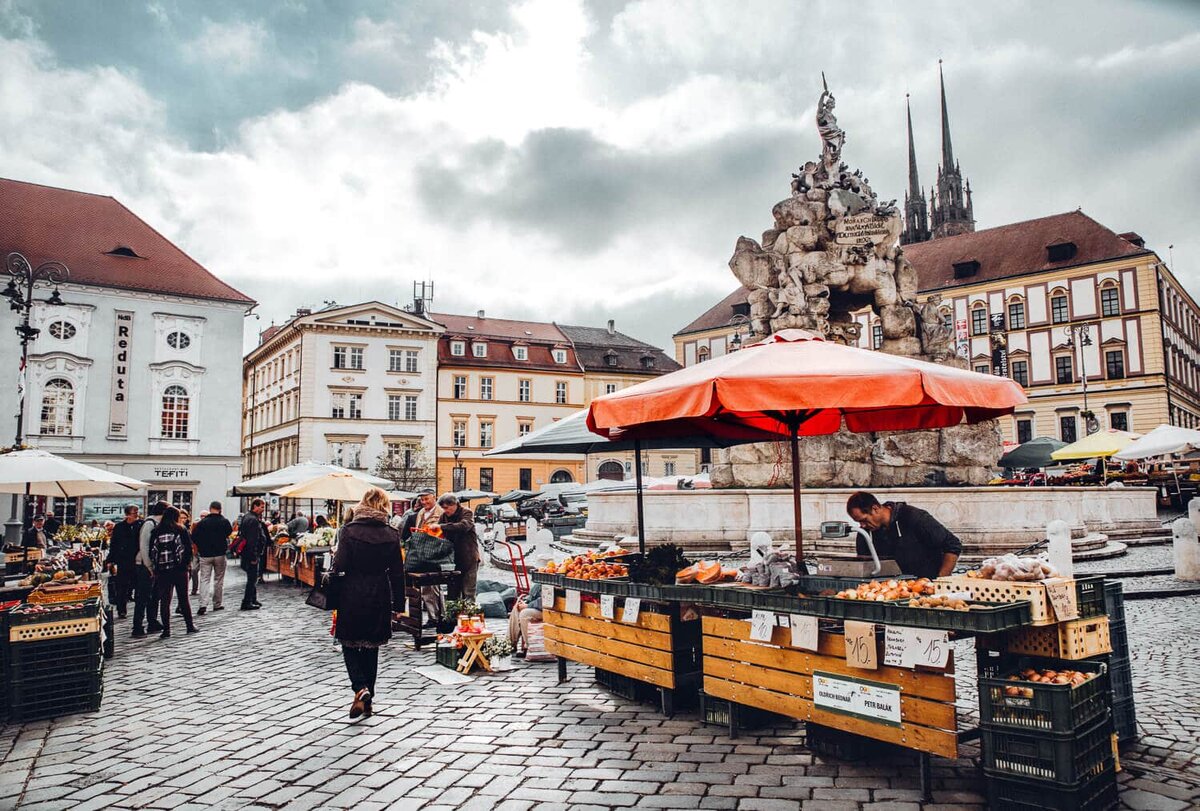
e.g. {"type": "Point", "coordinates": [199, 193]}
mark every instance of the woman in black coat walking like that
{"type": "Point", "coordinates": [368, 555]}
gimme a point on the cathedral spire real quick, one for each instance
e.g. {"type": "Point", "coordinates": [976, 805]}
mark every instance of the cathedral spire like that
{"type": "Point", "coordinates": [916, 215]}
{"type": "Point", "coordinates": [914, 185]}
{"type": "Point", "coordinates": [952, 210]}
{"type": "Point", "coordinates": [947, 148]}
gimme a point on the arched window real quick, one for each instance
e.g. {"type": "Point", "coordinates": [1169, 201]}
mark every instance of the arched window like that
{"type": "Point", "coordinates": [58, 407]}
{"type": "Point", "coordinates": [561, 477]}
{"type": "Point", "coordinates": [175, 413]}
{"type": "Point", "coordinates": [611, 470]}
{"type": "Point", "coordinates": [1016, 313]}
{"type": "Point", "coordinates": [1060, 312]}
{"type": "Point", "coordinates": [702, 354]}
{"type": "Point", "coordinates": [979, 320]}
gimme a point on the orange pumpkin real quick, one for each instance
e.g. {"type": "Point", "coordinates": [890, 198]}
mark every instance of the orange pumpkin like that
{"type": "Point", "coordinates": [708, 572]}
{"type": "Point", "coordinates": [687, 575]}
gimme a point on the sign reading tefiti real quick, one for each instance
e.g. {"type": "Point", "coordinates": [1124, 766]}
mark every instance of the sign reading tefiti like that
{"type": "Point", "coordinates": [171, 473]}
{"type": "Point", "coordinates": [862, 229]}
{"type": "Point", "coordinates": [859, 698]}
{"type": "Point", "coordinates": [118, 405]}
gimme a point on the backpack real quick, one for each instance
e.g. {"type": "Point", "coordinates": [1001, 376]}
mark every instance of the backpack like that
{"type": "Point", "coordinates": [167, 551]}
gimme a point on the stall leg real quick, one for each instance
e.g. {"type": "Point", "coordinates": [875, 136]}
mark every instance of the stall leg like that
{"type": "Point", "coordinates": [562, 670]}
{"type": "Point", "coordinates": [668, 701]}
{"type": "Point", "coordinates": [926, 776]}
{"type": "Point", "coordinates": [734, 712]}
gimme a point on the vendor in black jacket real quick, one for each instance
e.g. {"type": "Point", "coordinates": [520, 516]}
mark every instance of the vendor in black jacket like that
{"type": "Point", "coordinates": [917, 541]}
{"type": "Point", "coordinates": [122, 557]}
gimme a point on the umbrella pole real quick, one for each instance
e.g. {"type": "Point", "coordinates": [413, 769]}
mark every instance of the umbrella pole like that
{"type": "Point", "coordinates": [641, 514]}
{"type": "Point", "coordinates": [797, 494]}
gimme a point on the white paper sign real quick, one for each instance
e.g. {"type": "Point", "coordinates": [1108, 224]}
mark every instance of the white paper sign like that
{"type": "Point", "coordinates": [762, 624]}
{"type": "Point", "coordinates": [633, 607]}
{"type": "Point", "coordinates": [607, 607]}
{"type": "Point", "coordinates": [804, 631]}
{"type": "Point", "coordinates": [548, 596]}
{"type": "Point", "coordinates": [894, 644]}
{"type": "Point", "coordinates": [871, 701]}
{"type": "Point", "coordinates": [572, 601]}
{"type": "Point", "coordinates": [909, 647]}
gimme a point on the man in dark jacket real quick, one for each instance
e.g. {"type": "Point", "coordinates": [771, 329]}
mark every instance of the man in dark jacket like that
{"type": "Point", "coordinates": [254, 533]}
{"type": "Point", "coordinates": [459, 525]}
{"type": "Point", "coordinates": [211, 538]}
{"type": "Point", "coordinates": [297, 526]}
{"type": "Point", "coordinates": [122, 558]}
{"type": "Point", "coordinates": [917, 541]}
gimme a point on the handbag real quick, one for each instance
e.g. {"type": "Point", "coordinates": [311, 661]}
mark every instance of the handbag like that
{"type": "Point", "coordinates": [426, 553]}
{"type": "Point", "coordinates": [327, 593]}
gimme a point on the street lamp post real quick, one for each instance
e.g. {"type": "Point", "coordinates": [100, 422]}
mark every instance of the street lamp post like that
{"type": "Point", "coordinates": [1090, 425]}
{"type": "Point", "coordinates": [23, 277]}
{"type": "Point", "coordinates": [458, 476]}
{"type": "Point", "coordinates": [737, 321]}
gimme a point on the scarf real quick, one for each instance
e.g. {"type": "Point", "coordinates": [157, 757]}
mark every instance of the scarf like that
{"type": "Point", "coordinates": [366, 512]}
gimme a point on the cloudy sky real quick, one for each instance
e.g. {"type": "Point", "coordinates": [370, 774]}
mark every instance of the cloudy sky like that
{"type": "Point", "coordinates": [579, 160]}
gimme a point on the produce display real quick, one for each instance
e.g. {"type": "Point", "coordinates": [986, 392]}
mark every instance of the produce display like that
{"type": "Point", "coordinates": [591, 566]}
{"type": "Point", "coordinates": [1013, 568]}
{"type": "Point", "coordinates": [705, 572]}
{"type": "Point", "coordinates": [1045, 676]}
{"type": "Point", "coordinates": [52, 608]}
{"type": "Point", "coordinates": [939, 601]}
{"type": "Point", "coordinates": [659, 566]}
{"type": "Point", "coordinates": [320, 538]}
{"type": "Point", "coordinates": [884, 590]}
{"type": "Point", "coordinates": [776, 570]}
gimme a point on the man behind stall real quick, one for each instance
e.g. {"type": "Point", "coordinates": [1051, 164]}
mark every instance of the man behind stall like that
{"type": "Point", "coordinates": [122, 558]}
{"type": "Point", "coordinates": [917, 541]}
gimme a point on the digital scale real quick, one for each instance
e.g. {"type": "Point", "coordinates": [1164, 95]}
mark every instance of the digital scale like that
{"type": "Point", "coordinates": [859, 565]}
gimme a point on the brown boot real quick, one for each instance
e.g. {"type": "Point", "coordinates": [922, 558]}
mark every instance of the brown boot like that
{"type": "Point", "coordinates": [361, 699]}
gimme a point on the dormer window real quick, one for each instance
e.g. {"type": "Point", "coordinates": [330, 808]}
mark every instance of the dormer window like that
{"type": "Point", "coordinates": [479, 350]}
{"type": "Point", "coordinates": [610, 358]}
{"type": "Point", "coordinates": [124, 250]}
{"type": "Point", "coordinates": [1060, 251]}
{"type": "Point", "coordinates": [963, 270]}
{"type": "Point", "coordinates": [521, 352]}
{"type": "Point", "coordinates": [560, 356]}
{"type": "Point", "coordinates": [647, 361]}
{"type": "Point", "coordinates": [458, 348]}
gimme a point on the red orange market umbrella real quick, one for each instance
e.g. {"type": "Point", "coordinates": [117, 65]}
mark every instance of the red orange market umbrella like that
{"type": "Point", "coordinates": [794, 383]}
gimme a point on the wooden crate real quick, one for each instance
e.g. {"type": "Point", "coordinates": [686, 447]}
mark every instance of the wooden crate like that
{"type": "Point", "coordinates": [272, 559]}
{"type": "Point", "coordinates": [1005, 591]}
{"type": "Point", "coordinates": [648, 650]}
{"type": "Point", "coordinates": [779, 678]}
{"type": "Point", "coordinates": [306, 569]}
{"type": "Point", "coordinates": [1074, 639]}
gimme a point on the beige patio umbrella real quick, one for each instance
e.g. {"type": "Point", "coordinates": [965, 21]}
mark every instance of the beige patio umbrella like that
{"type": "Point", "coordinates": [330, 487]}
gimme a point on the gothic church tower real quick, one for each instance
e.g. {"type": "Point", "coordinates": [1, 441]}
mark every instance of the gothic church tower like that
{"type": "Point", "coordinates": [951, 205]}
{"type": "Point", "coordinates": [916, 219]}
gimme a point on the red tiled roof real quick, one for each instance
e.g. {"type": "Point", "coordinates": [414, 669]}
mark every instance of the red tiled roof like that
{"type": "Point", "coordinates": [78, 229]}
{"type": "Point", "coordinates": [499, 328]}
{"type": "Point", "coordinates": [501, 334]}
{"type": "Point", "coordinates": [718, 316]}
{"type": "Point", "coordinates": [1015, 250]}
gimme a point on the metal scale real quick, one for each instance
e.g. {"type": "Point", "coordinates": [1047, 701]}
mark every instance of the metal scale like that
{"type": "Point", "coordinates": [857, 566]}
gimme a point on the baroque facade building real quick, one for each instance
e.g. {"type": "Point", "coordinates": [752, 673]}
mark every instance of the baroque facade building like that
{"type": "Point", "coordinates": [351, 385]}
{"type": "Point", "coordinates": [132, 372]}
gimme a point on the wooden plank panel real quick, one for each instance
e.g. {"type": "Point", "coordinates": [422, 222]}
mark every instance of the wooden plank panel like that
{"type": "Point", "coordinates": [935, 686]}
{"type": "Point", "coordinates": [612, 630]}
{"type": "Point", "coordinates": [646, 619]}
{"type": "Point", "coordinates": [651, 675]}
{"type": "Point", "coordinates": [612, 647]}
{"type": "Point", "coordinates": [935, 741]}
{"type": "Point", "coordinates": [912, 710]}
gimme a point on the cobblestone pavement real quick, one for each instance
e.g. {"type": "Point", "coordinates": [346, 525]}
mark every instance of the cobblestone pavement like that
{"type": "Point", "coordinates": [251, 713]}
{"type": "Point", "coordinates": [1136, 558]}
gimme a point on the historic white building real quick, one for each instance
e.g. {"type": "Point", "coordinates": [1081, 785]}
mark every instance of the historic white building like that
{"type": "Point", "coordinates": [136, 371]}
{"type": "Point", "coordinates": [347, 385]}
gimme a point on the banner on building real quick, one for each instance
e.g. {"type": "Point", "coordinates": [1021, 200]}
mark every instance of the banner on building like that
{"type": "Point", "coordinates": [118, 405]}
{"type": "Point", "coordinates": [963, 342]}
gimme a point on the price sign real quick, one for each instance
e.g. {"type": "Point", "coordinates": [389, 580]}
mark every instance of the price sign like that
{"type": "Point", "coordinates": [572, 601]}
{"type": "Point", "coordinates": [548, 596]}
{"type": "Point", "coordinates": [909, 647]}
{"type": "Point", "coordinates": [860, 645]}
{"type": "Point", "coordinates": [762, 624]}
{"type": "Point", "coordinates": [607, 607]}
{"type": "Point", "coordinates": [633, 607]}
{"type": "Point", "coordinates": [895, 643]}
{"type": "Point", "coordinates": [804, 631]}
{"type": "Point", "coordinates": [1062, 598]}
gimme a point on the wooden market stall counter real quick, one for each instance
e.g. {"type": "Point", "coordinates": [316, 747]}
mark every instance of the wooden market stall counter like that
{"type": "Point", "coordinates": [293, 564]}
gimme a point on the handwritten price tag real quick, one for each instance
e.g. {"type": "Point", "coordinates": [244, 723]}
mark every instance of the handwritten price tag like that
{"type": "Point", "coordinates": [607, 607]}
{"type": "Point", "coordinates": [762, 624]}
{"type": "Point", "coordinates": [572, 601]}
{"type": "Point", "coordinates": [895, 643]}
{"type": "Point", "coordinates": [860, 645]}
{"type": "Point", "coordinates": [1062, 598]}
{"type": "Point", "coordinates": [548, 595]}
{"type": "Point", "coordinates": [927, 647]}
{"type": "Point", "coordinates": [633, 607]}
{"type": "Point", "coordinates": [804, 631]}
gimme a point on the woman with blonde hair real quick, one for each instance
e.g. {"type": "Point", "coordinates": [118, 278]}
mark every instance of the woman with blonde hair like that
{"type": "Point", "coordinates": [372, 588]}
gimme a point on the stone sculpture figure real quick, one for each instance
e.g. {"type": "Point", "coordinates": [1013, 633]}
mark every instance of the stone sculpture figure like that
{"type": "Point", "coordinates": [832, 136]}
{"type": "Point", "coordinates": [937, 339]}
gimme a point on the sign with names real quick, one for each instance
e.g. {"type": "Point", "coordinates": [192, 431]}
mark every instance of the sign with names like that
{"type": "Point", "coordinates": [573, 601]}
{"type": "Point", "coordinates": [118, 404]}
{"type": "Point", "coordinates": [868, 700]}
{"type": "Point", "coordinates": [804, 631]}
{"type": "Point", "coordinates": [607, 606]}
{"type": "Point", "coordinates": [633, 607]}
{"type": "Point", "coordinates": [860, 645]}
{"type": "Point", "coordinates": [762, 625]}
{"type": "Point", "coordinates": [862, 229]}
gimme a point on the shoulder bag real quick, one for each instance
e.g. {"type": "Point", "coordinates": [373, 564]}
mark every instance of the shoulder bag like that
{"type": "Point", "coordinates": [327, 593]}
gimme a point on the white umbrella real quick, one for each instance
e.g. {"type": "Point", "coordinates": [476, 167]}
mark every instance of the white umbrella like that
{"type": "Point", "coordinates": [300, 472]}
{"type": "Point", "coordinates": [330, 487]}
{"type": "Point", "coordinates": [38, 473]}
{"type": "Point", "coordinates": [1165, 440]}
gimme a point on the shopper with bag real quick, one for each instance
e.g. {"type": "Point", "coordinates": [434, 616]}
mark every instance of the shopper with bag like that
{"type": "Point", "coordinates": [459, 525]}
{"type": "Point", "coordinates": [171, 555]}
{"type": "Point", "coordinates": [370, 590]}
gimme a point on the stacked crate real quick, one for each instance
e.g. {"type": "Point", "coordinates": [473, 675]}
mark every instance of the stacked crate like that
{"type": "Point", "coordinates": [1120, 669]}
{"type": "Point", "coordinates": [54, 662]}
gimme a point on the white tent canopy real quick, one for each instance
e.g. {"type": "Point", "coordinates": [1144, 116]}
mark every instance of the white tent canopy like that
{"type": "Point", "coordinates": [300, 472]}
{"type": "Point", "coordinates": [1165, 440]}
{"type": "Point", "coordinates": [39, 473]}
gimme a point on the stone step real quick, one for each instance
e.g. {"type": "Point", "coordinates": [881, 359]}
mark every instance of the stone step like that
{"type": "Point", "coordinates": [1110, 549]}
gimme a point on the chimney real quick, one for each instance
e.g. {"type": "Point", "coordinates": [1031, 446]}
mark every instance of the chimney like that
{"type": "Point", "coordinates": [479, 314]}
{"type": "Point", "coordinates": [612, 327]}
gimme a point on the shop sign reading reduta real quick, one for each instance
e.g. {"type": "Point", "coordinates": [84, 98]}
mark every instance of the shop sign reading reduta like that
{"type": "Point", "coordinates": [869, 700]}
{"type": "Point", "coordinates": [118, 406]}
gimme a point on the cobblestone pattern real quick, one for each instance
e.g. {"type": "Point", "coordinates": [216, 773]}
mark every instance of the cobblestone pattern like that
{"type": "Point", "coordinates": [251, 713]}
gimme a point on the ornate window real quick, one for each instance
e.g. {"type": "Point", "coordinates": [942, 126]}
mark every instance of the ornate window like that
{"type": "Point", "coordinates": [1016, 314]}
{"type": "Point", "coordinates": [178, 340]}
{"type": "Point", "coordinates": [1020, 371]}
{"type": "Point", "coordinates": [701, 355]}
{"type": "Point", "coordinates": [979, 321]}
{"type": "Point", "coordinates": [561, 477]}
{"type": "Point", "coordinates": [458, 348]}
{"type": "Point", "coordinates": [1064, 370]}
{"type": "Point", "coordinates": [62, 330]}
{"type": "Point", "coordinates": [176, 412]}
{"type": "Point", "coordinates": [1059, 312]}
{"type": "Point", "coordinates": [1114, 364]}
{"type": "Point", "coordinates": [1110, 301]}
{"type": "Point", "coordinates": [58, 407]}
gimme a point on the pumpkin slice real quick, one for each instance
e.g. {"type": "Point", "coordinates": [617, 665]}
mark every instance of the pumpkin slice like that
{"type": "Point", "coordinates": [707, 572]}
{"type": "Point", "coordinates": [687, 575]}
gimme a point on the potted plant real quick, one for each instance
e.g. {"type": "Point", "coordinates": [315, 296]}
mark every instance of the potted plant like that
{"type": "Point", "coordinates": [498, 651]}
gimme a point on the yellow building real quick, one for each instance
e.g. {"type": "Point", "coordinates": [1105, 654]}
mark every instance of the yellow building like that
{"type": "Point", "coordinates": [1050, 302]}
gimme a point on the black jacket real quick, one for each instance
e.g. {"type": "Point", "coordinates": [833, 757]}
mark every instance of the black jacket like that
{"type": "Point", "coordinates": [254, 531]}
{"type": "Point", "coordinates": [211, 535]}
{"type": "Point", "coordinates": [161, 531]}
{"type": "Point", "coordinates": [408, 524]}
{"type": "Point", "coordinates": [123, 546]}
{"type": "Point", "coordinates": [914, 539]}
{"type": "Point", "coordinates": [460, 531]}
{"type": "Point", "coordinates": [373, 586]}
{"type": "Point", "coordinates": [30, 536]}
